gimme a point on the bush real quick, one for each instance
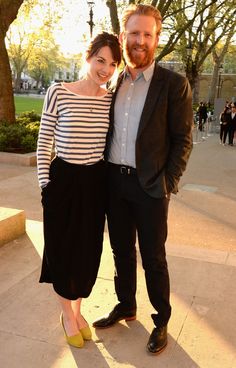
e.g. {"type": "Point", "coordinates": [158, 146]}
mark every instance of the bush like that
{"type": "Point", "coordinates": [29, 143]}
{"type": "Point", "coordinates": [22, 136]}
{"type": "Point", "coordinates": [28, 117]}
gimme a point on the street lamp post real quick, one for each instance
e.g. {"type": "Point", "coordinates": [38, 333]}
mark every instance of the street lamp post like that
{"type": "Point", "coordinates": [90, 22]}
{"type": "Point", "coordinates": [221, 68]}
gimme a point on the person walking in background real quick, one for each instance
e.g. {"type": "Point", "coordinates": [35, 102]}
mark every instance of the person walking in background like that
{"type": "Point", "coordinates": [232, 123]}
{"type": "Point", "coordinates": [149, 143]}
{"type": "Point", "coordinates": [202, 115]}
{"type": "Point", "coordinates": [224, 123]}
{"type": "Point", "coordinates": [76, 118]}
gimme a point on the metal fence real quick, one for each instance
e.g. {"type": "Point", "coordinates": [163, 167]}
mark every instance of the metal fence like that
{"type": "Point", "coordinates": [210, 127]}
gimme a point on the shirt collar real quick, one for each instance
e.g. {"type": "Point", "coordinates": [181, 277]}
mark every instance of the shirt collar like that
{"type": "Point", "coordinates": [147, 73]}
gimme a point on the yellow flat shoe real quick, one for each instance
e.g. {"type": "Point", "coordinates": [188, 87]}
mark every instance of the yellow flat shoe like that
{"type": "Point", "coordinates": [86, 333]}
{"type": "Point", "coordinates": [75, 340]}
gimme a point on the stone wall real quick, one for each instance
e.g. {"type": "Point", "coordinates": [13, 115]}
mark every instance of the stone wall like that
{"type": "Point", "coordinates": [228, 86]}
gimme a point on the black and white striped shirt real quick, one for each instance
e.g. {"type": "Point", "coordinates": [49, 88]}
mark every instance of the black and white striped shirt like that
{"type": "Point", "coordinates": [76, 124]}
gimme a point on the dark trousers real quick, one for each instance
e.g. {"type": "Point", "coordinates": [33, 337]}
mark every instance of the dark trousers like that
{"type": "Point", "coordinates": [129, 210]}
{"type": "Point", "coordinates": [223, 132]}
{"type": "Point", "coordinates": [231, 134]}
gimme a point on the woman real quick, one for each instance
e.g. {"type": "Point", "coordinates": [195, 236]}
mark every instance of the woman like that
{"type": "Point", "coordinates": [75, 118]}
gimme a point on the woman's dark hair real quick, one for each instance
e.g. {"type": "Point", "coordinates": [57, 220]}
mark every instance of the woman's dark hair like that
{"type": "Point", "coordinates": [105, 39]}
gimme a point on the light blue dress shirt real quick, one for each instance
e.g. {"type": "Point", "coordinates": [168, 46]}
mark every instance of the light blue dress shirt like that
{"type": "Point", "coordinates": [129, 105]}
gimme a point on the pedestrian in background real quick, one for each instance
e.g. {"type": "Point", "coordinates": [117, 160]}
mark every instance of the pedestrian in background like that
{"type": "Point", "coordinates": [224, 123]}
{"type": "Point", "coordinates": [232, 123]}
{"type": "Point", "coordinates": [202, 115]}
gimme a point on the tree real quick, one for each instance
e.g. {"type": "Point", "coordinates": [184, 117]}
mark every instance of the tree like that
{"type": "Point", "coordinates": [218, 55]}
{"type": "Point", "coordinates": [8, 12]}
{"type": "Point", "coordinates": [189, 26]}
{"type": "Point", "coordinates": [210, 27]}
{"type": "Point", "coordinates": [114, 16]}
{"type": "Point", "coordinates": [44, 61]}
{"type": "Point", "coordinates": [34, 52]}
{"type": "Point", "coordinates": [19, 53]}
{"type": "Point", "coordinates": [220, 50]}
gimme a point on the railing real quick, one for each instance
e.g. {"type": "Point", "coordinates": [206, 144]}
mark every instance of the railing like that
{"type": "Point", "coordinates": [210, 127]}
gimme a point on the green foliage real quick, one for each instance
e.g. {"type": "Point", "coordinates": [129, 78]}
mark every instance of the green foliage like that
{"type": "Point", "coordinates": [31, 42]}
{"type": "Point", "coordinates": [22, 136]}
{"type": "Point", "coordinates": [29, 143]}
{"type": "Point", "coordinates": [28, 117]}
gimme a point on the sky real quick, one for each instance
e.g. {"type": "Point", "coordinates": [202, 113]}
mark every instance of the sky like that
{"type": "Point", "coordinates": [74, 23]}
{"type": "Point", "coordinates": [72, 28]}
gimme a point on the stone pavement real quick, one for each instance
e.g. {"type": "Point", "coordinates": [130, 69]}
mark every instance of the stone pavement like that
{"type": "Point", "coordinates": [201, 251]}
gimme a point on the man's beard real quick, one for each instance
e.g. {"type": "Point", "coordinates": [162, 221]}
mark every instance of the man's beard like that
{"type": "Point", "coordinates": [138, 61]}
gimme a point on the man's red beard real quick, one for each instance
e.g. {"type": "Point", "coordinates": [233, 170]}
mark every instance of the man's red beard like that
{"type": "Point", "coordinates": [138, 61]}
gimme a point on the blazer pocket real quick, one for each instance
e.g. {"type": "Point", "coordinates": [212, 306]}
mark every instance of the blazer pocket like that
{"type": "Point", "coordinates": [171, 183]}
{"type": "Point", "coordinates": [156, 186]}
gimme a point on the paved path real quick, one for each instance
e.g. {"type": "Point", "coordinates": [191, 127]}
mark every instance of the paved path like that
{"type": "Point", "coordinates": [201, 251]}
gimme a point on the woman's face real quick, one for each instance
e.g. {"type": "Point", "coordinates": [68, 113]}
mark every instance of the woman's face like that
{"type": "Point", "coordinates": [101, 66]}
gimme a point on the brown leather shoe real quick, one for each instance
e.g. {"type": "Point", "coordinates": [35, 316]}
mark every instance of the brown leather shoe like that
{"type": "Point", "coordinates": [113, 317]}
{"type": "Point", "coordinates": [157, 340]}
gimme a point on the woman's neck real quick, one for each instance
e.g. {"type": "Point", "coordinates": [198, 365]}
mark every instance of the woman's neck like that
{"type": "Point", "coordinates": [86, 87]}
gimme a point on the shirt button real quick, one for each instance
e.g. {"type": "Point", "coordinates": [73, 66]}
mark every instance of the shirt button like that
{"type": "Point", "coordinates": [126, 114]}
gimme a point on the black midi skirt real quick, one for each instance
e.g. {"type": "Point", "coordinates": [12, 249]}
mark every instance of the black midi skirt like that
{"type": "Point", "coordinates": [73, 216]}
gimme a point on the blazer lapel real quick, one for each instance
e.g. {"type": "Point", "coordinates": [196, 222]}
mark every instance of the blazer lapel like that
{"type": "Point", "coordinates": [153, 94]}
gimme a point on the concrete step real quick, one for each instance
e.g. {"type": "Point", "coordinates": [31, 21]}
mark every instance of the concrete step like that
{"type": "Point", "coordinates": [12, 224]}
{"type": "Point", "coordinates": [25, 159]}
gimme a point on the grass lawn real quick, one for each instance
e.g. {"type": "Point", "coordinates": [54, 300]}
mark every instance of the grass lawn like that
{"type": "Point", "coordinates": [26, 103]}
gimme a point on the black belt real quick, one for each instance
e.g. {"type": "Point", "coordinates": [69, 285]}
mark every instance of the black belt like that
{"type": "Point", "coordinates": [123, 169]}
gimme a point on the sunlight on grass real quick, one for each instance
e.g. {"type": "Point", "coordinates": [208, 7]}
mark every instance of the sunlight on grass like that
{"type": "Point", "coordinates": [26, 103]}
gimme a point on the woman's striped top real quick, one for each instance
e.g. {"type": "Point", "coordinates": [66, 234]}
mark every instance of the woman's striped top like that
{"type": "Point", "coordinates": [77, 125]}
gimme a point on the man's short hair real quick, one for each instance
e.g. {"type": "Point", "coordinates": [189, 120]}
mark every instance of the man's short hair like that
{"type": "Point", "coordinates": [140, 9]}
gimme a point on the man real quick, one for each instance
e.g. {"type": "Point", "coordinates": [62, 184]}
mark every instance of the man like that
{"type": "Point", "coordinates": [149, 144]}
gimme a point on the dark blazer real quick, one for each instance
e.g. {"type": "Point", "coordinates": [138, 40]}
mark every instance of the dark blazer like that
{"type": "Point", "coordinates": [164, 138]}
{"type": "Point", "coordinates": [232, 121]}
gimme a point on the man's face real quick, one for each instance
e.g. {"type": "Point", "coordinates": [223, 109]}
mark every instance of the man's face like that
{"type": "Point", "coordinates": [140, 40]}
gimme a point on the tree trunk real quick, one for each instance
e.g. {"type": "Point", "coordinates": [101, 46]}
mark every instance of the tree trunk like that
{"type": "Point", "coordinates": [213, 86]}
{"type": "Point", "coordinates": [192, 74]}
{"type": "Point", "coordinates": [196, 90]}
{"type": "Point", "coordinates": [18, 82]}
{"type": "Point", "coordinates": [114, 16]}
{"type": "Point", "coordinates": [8, 12]}
{"type": "Point", "coordinates": [7, 107]}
